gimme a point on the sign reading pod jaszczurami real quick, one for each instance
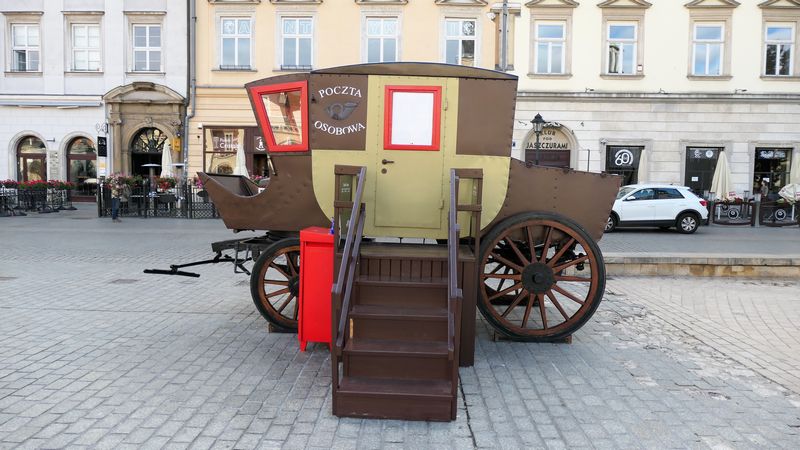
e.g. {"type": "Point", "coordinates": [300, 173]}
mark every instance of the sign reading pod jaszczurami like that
{"type": "Point", "coordinates": [338, 112]}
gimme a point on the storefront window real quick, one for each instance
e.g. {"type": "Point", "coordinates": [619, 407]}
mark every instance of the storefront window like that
{"type": "Point", "coordinates": [31, 160]}
{"type": "Point", "coordinates": [700, 165]}
{"type": "Point", "coordinates": [221, 145]}
{"type": "Point", "coordinates": [624, 161]}
{"type": "Point", "coordinates": [146, 148]}
{"type": "Point", "coordinates": [771, 171]}
{"type": "Point", "coordinates": [82, 156]}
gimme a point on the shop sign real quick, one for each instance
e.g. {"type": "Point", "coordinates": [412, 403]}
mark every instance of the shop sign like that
{"type": "Point", "coordinates": [623, 157]}
{"type": "Point", "coordinates": [259, 144]}
{"type": "Point", "coordinates": [550, 139]}
{"type": "Point", "coordinates": [339, 102]}
{"type": "Point", "coordinates": [772, 154]}
{"type": "Point", "coordinates": [225, 141]}
{"type": "Point", "coordinates": [703, 153]}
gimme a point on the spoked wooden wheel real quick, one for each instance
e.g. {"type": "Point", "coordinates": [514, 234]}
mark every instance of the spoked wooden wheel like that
{"type": "Point", "coordinates": [542, 277]}
{"type": "Point", "coordinates": [275, 283]}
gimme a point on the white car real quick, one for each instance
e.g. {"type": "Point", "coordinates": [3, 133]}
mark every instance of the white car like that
{"type": "Point", "coordinates": [657, 205]}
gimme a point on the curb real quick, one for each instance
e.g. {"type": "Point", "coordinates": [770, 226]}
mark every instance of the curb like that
{"type": "Point", "coordinates": [697, 266]}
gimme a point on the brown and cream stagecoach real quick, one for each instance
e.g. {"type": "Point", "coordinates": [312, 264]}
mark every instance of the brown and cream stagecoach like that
{"type": "Point", "coordinates": [432, 218]}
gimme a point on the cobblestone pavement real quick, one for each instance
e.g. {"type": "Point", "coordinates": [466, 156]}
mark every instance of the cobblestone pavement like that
{"type": "Point", "coordinates": [93, 353]}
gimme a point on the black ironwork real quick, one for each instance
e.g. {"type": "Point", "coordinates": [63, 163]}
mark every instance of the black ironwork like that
{"type": "Point", "coordinates": [187, 202]}
{"type": "Point", "coordinates": [149, 140]}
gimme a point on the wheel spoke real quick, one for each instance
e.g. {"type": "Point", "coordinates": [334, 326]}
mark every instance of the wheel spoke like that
{"type": "Point", "coordinates": [292, 266]}
{"type": "Point", "coordinates": [546, 247]}
{"type": "Point", "coordinates": [278, 292]}
{"type": "Point", "coordinates": [570, 263]}
{"type": "Point", "coordinates": [561, 252]}
{"type": "Point", "coordinates": [527, 310]}
{"type": "Point", "coordinates": [514, 303]}
{"type": "Point", "coordinates": [571, 278]}
{"type": "Point", "coordinates": [531, 244]}
{"type": "Point", "coordinates": [542, 310]}
{"type": "Point", "coordinates": [280, 270]}
{"type": "Point", "coordinates": [552, 298]}
{"type": "Point", "coordinates": [277, 282]}
{"type": "Point", "coordinates": [514, 247]}
{"type": "Point", "coordinates": [503, 281]}
{"type": "Point", "coordinates": [505, 291]}
{"type": "Point", "coordinates": [568, 295]}
{"type": "Point", "coordinates": [285, 303]}
{"type": "Point", "coordinates": [511, 276]}
{"type": "Point", "coordinates": [508, 263]}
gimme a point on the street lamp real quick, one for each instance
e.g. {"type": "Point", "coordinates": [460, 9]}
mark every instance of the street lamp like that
{"type": "Point", "coordinates": [538, 125]}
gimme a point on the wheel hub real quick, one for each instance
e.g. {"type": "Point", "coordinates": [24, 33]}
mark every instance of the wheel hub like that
{"type": "Point", "coordinates": [294, 286]}
{"type": "Point", "coordinates": [538, 278]}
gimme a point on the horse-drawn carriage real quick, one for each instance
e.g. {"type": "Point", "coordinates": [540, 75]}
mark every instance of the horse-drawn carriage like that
{"type": "Point", "coordinates": [410, 165]}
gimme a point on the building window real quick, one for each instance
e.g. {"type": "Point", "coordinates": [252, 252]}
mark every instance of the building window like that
{"type": "Point", "coordinates": [31, 159]}
{"type": "Point", "coordinates": [25, 47]}
{"type": "Point", "coordinates": [779, 54]}
{"type": "Point", "coordinates": [460, 41]}
{"type": "Point", "coordinates": [623, 160]}
{"type": "Point", "coordinates": [236, 37]}
{"type": "Point", "coordinates": [147, 48]}
{"type": "Point", "coordinates": [296, 40]}
{"type": "Point", "coordinates": [708, 49]}
{"type": "Point", "coordinates": [700, 165]}
{"type": "Point", "coordinates": [550, 47]}
{"type": "Point", "coordinates": [622, 48]}
{"type": "Point", "coordinates": [86, 47]}
{"type": "Point", "coordinates": [381, 39]}
{"type": "Point", "coordinates": [771, 170]}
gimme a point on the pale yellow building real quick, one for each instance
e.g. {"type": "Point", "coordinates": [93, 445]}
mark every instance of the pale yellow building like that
{"type": "Point", "coordinates": [239, 41]}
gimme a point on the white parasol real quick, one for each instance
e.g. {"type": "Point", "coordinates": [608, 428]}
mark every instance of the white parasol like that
{"type": "Point", "coordinates": [721, 182]}
{"type": "Point", "coordinates": [241, 162]}
{"type": "Point", "coordinates": [641, 172]}
{"type": "Point", "coordinates": [794, 172]}
{"type": "Point", "coordinates": [166, 161]}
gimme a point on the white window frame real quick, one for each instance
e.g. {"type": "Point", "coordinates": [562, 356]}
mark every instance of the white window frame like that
{"type": "Point", "coordinates": [461, 37]}
{"type": "Point", "coordinates": [88, 49]}
{"type": "Point", "coordinates": [26, 48]}
{"type": "Point", "coordinates": [296, 36]}
{"type": "Point", "coordinates": [563, 41]}
{"type": "Point", "coordinates": [237, 37]}
{"type": "Point", "coordinates": [635, 42]}
{"type": "Point", "coordinates": [790, 42]}
{"type": "Point", "coordinates": [381, 37]}
{"type": "Point", "coordinates": [707, 42]}
{"type": "Point", "coordinates": [147, 49]}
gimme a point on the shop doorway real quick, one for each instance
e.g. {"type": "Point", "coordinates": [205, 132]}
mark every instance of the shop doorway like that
{"type": "Point", "coordinates": [82, 169]}
{"type": "Point", "coordinates": [700, 165]}
{"type": "Point", "coordinates": [623, 160]}
{"type": "Point", "coordinates": [771, 171]}
{"type": "Point", "coordinates": [146, 148]}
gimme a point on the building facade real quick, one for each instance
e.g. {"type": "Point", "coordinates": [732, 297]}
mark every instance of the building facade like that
{"type": "Point", "coordinates": [656, 91]}
{"type": "Point", "coordinates": [239, 41]}
{"type": "Point", "coordinates": [80, 72]}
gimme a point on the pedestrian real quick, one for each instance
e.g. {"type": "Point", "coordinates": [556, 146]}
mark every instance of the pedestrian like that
{"type": "Point", "coordinates": [116, 192]}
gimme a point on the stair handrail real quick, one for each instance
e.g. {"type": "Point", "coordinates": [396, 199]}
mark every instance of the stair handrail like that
{"type": "Point", "coordinates": [351, 248]}
{"type": "Point", "coordinates": [454, 293]}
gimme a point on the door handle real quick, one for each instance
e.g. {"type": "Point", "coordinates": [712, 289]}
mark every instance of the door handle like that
{"type": "Point", "coordinates": [387, 161]}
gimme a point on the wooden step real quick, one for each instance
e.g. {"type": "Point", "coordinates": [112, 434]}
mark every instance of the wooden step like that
{"type": "Point", "coordinates": [419, 252]}
{"type": "Point", "coordinates": [400, 360]}
{"type": "Point", "coordinates": [380, 322]}
{"type": "Point", "coordinates": [395, 399]}
{"type": "Point", "coordinates": [407, 293]}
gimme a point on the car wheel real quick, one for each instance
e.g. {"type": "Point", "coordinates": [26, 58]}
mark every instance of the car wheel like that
{"type": "Point", "coordinates": [687, 223]}
{"type": "Point", "coordinates": [611, 224]}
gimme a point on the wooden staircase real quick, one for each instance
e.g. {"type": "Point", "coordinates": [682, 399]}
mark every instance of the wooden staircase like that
{"type": "Point", "coordinates": [396, 324]}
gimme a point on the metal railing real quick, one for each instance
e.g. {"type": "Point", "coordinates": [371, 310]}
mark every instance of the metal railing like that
{"type": "Point", "coordinates": [18, 202]}
{"type": "Point", "coordinates": [342, 289]}
{"type": "Point", "coordinates": [778, 214]}
{"type": "Point", "coordinates": [182, 201]}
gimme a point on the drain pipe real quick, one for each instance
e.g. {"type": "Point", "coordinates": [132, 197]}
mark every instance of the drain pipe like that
{"type": "Point", "coordinates": [191, 84]}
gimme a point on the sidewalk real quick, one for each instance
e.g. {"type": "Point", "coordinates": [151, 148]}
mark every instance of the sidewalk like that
{"type": "Point", "coordinates": [714, 250]}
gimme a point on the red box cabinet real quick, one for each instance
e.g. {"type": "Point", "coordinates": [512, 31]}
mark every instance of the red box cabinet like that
{"type": "Point", "coordinates": [316, 281]}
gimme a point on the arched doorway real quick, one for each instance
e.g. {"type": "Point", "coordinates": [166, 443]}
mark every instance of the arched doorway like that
{"type": "Point", "coordinates": [82, 168]}
{"type": "Point", "coordinates": [556, 143]}
{"type": "Point", "coordinates": [31, 159]}
{"type": "Point", "coordinates": [146, 148]}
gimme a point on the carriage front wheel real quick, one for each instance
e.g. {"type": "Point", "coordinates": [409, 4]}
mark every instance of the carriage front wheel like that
{"type": "Point", "coordinates": [541, 277]}
{"type": "Point", "coordinates": [275, 283]}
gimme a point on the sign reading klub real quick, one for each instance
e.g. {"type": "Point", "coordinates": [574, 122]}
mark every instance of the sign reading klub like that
{"type": "Point", "coordinates": [339, 106]}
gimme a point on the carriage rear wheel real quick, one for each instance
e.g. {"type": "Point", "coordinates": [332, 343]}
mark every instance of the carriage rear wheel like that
{"type": "Point", "coordinates": [549, 267]}
{"type": "Point", "coordinates": [275, 283]}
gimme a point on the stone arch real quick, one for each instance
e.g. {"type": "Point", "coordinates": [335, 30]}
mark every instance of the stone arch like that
{"type": "Point", "coordinates": [572, 140]}
{"type": "Point", "coordinates": [12, 150]}
{"type": "Point", "coordinates": [62, 151]}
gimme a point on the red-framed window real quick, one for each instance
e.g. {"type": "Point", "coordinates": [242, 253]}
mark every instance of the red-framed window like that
{"type": "Point", "coordinates": [412, 119]}
{"type": "Point", "coordinates": [282, 111]}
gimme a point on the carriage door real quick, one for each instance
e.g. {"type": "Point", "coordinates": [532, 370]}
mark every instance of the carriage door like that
{"type": "Point", "coordinates": [410, 154]}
